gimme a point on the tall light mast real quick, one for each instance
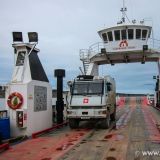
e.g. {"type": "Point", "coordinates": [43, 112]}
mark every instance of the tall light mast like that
{"type": "Point", "coordinates": [123, 10]}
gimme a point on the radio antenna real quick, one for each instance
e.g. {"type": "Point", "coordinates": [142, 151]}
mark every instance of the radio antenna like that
{"type": "Point", "coordinates": [123, 10]}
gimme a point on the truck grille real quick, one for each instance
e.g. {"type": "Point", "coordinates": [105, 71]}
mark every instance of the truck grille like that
{"type": "Point", "coordinates": [86, 107]}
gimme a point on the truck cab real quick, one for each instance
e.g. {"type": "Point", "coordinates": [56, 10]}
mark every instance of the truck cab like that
{"type": "Point", "coordinates": [91, 98]}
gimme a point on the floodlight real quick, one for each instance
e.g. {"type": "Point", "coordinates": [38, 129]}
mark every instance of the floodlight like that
{"type": "Point", "coordinates": [17, 37]}
{"type": "Point", "coordinates": [103, 50]}
{"type": "Point", "coordinates": [59, 73]}
{"type": "Point", "coordinates": [145, 47]}
{"type": "Point", "coordinates": [33, 36]}
{"type": "Point", "coordinates": [154, 77]}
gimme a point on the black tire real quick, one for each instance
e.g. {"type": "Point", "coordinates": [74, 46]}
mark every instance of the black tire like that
{"type": "Point", "coordinates": [73, 123]}
{"type": "Point", "coordinates": [113, 115]}
{"type": "Point", "coordinates": [105, 122]}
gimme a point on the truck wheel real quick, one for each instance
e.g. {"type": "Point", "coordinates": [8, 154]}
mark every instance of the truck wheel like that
{"type": "Point", "coordinates": [73, 123]}
{"type": "Point", "coordinates": [106, 122]}
{"type": "Point", "coordinates": [113, 115]}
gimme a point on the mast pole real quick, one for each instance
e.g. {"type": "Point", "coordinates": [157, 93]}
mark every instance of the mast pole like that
{"type": "Point", "coordinates": [123, 4]}
{"type": "Point", "coordinates": [123, 10]}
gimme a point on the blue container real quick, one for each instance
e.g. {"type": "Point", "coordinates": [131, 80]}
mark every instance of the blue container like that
{"type": "Point", "coordinates": [4, 128]}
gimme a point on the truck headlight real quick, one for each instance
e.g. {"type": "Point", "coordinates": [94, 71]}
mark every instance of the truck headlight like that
{"type": "Point", "coordinates": [69, 112]}
{"type": "Point", "coordinates": [103, 112]}
{"type": "Point", "coordinates": [104, 107]}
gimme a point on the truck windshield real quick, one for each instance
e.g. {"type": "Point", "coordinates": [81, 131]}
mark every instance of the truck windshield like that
{"type": "Point", "coordinates": [87, 88]}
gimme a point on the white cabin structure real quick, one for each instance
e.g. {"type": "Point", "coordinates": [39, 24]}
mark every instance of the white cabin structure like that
{"type": "Point", "coordinates": [125, 37]}
{"type": "Point", "coordinates": [126, 42]}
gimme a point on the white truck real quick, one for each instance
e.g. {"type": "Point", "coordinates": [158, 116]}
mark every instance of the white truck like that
{"type": "Point", "coordinates": [91, 98]}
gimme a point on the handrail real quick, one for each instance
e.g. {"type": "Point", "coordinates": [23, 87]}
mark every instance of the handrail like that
{"type": "Point", "coordinates": [86, 54]}
{"type": "Point", "coordinates": [96, 47]}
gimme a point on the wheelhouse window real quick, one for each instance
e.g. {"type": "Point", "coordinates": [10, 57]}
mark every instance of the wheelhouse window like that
{"type": "Point", "coordinates": [117, 35]}
{"type": "Point", "coordinates": [110, 36]}
{"type": "Point", "coordinates": [138, 33]}
{"type": "Point", "coordinates": [104, 35]}
{"type": "Point", "coordinates": [130, 34]}
{"type": "Point", "coordinates": [123, 33]}
{"type": "Point", "coordinates": [144, 34]}
{"type": "Point", "coordinates": [87, 88]}
{"type": "Point", "coordinates": [149, 33]}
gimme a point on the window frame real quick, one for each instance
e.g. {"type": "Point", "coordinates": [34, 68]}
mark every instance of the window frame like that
{"type": "Point", "coordinates": [88, 88]}
{"type": "Point", "coordinates": [144, 38]}
{"type": "Point", "coordinates": [130, 34]}
{"type": "Point", "coordinates": [109, 36]}
{"type": "Point", "coordinates": [125, 34]}
{"type": "Point", "coordinates": [105, 41]}
{"type": "Point", "coordinates": [116, 36]}
{"type": "Point", "coordinates": [140, 33]}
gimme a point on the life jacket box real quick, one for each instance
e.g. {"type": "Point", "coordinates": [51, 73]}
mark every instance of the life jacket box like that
{"type": "Point", "coordinates": [21, 117]}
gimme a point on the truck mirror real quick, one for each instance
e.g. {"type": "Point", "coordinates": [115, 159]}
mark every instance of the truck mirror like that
{"type": "Point", "coordinates": [69, 83]}
{"type": "Point", "coordinates": [108, 86]}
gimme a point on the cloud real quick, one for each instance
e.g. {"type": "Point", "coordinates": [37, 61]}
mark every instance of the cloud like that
{"type": "Point", "coordinates": [65, 26]}
{"type": "Point", "coordinates": [136, 78]}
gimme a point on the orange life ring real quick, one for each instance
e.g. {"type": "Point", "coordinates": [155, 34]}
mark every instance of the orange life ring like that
{"type": "Point", "coordinates": [123, 43]}
{"type": "Point", "coordinates": [15, 100]}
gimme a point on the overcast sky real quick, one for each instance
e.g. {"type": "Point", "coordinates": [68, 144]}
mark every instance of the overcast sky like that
{"type": "Point", "coordinates": [65, 26]}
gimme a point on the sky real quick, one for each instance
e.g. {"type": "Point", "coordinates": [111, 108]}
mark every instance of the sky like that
{"type": "Point", "coordinates": [65, 27]}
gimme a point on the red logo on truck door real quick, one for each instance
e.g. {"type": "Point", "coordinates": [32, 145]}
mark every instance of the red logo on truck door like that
{"type": "Point", "coordinates": [85, 100]}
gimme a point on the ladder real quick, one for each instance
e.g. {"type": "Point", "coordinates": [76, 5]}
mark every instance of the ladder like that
{"type": "Point", "coordinates": [84, 57]}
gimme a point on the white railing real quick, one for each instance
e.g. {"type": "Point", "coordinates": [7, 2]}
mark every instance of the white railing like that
{"type": "Point", "coordinates": [96, 47]}
{"type": "Point", "coordinates": [86, 54]}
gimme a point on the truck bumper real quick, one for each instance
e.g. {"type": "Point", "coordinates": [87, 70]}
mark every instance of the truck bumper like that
{"type": "Point", "coordinates": [87, 113]}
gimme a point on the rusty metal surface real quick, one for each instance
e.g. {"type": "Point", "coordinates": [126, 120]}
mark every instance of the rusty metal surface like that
{"type": "Point", "coordinates": [137, 129]}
